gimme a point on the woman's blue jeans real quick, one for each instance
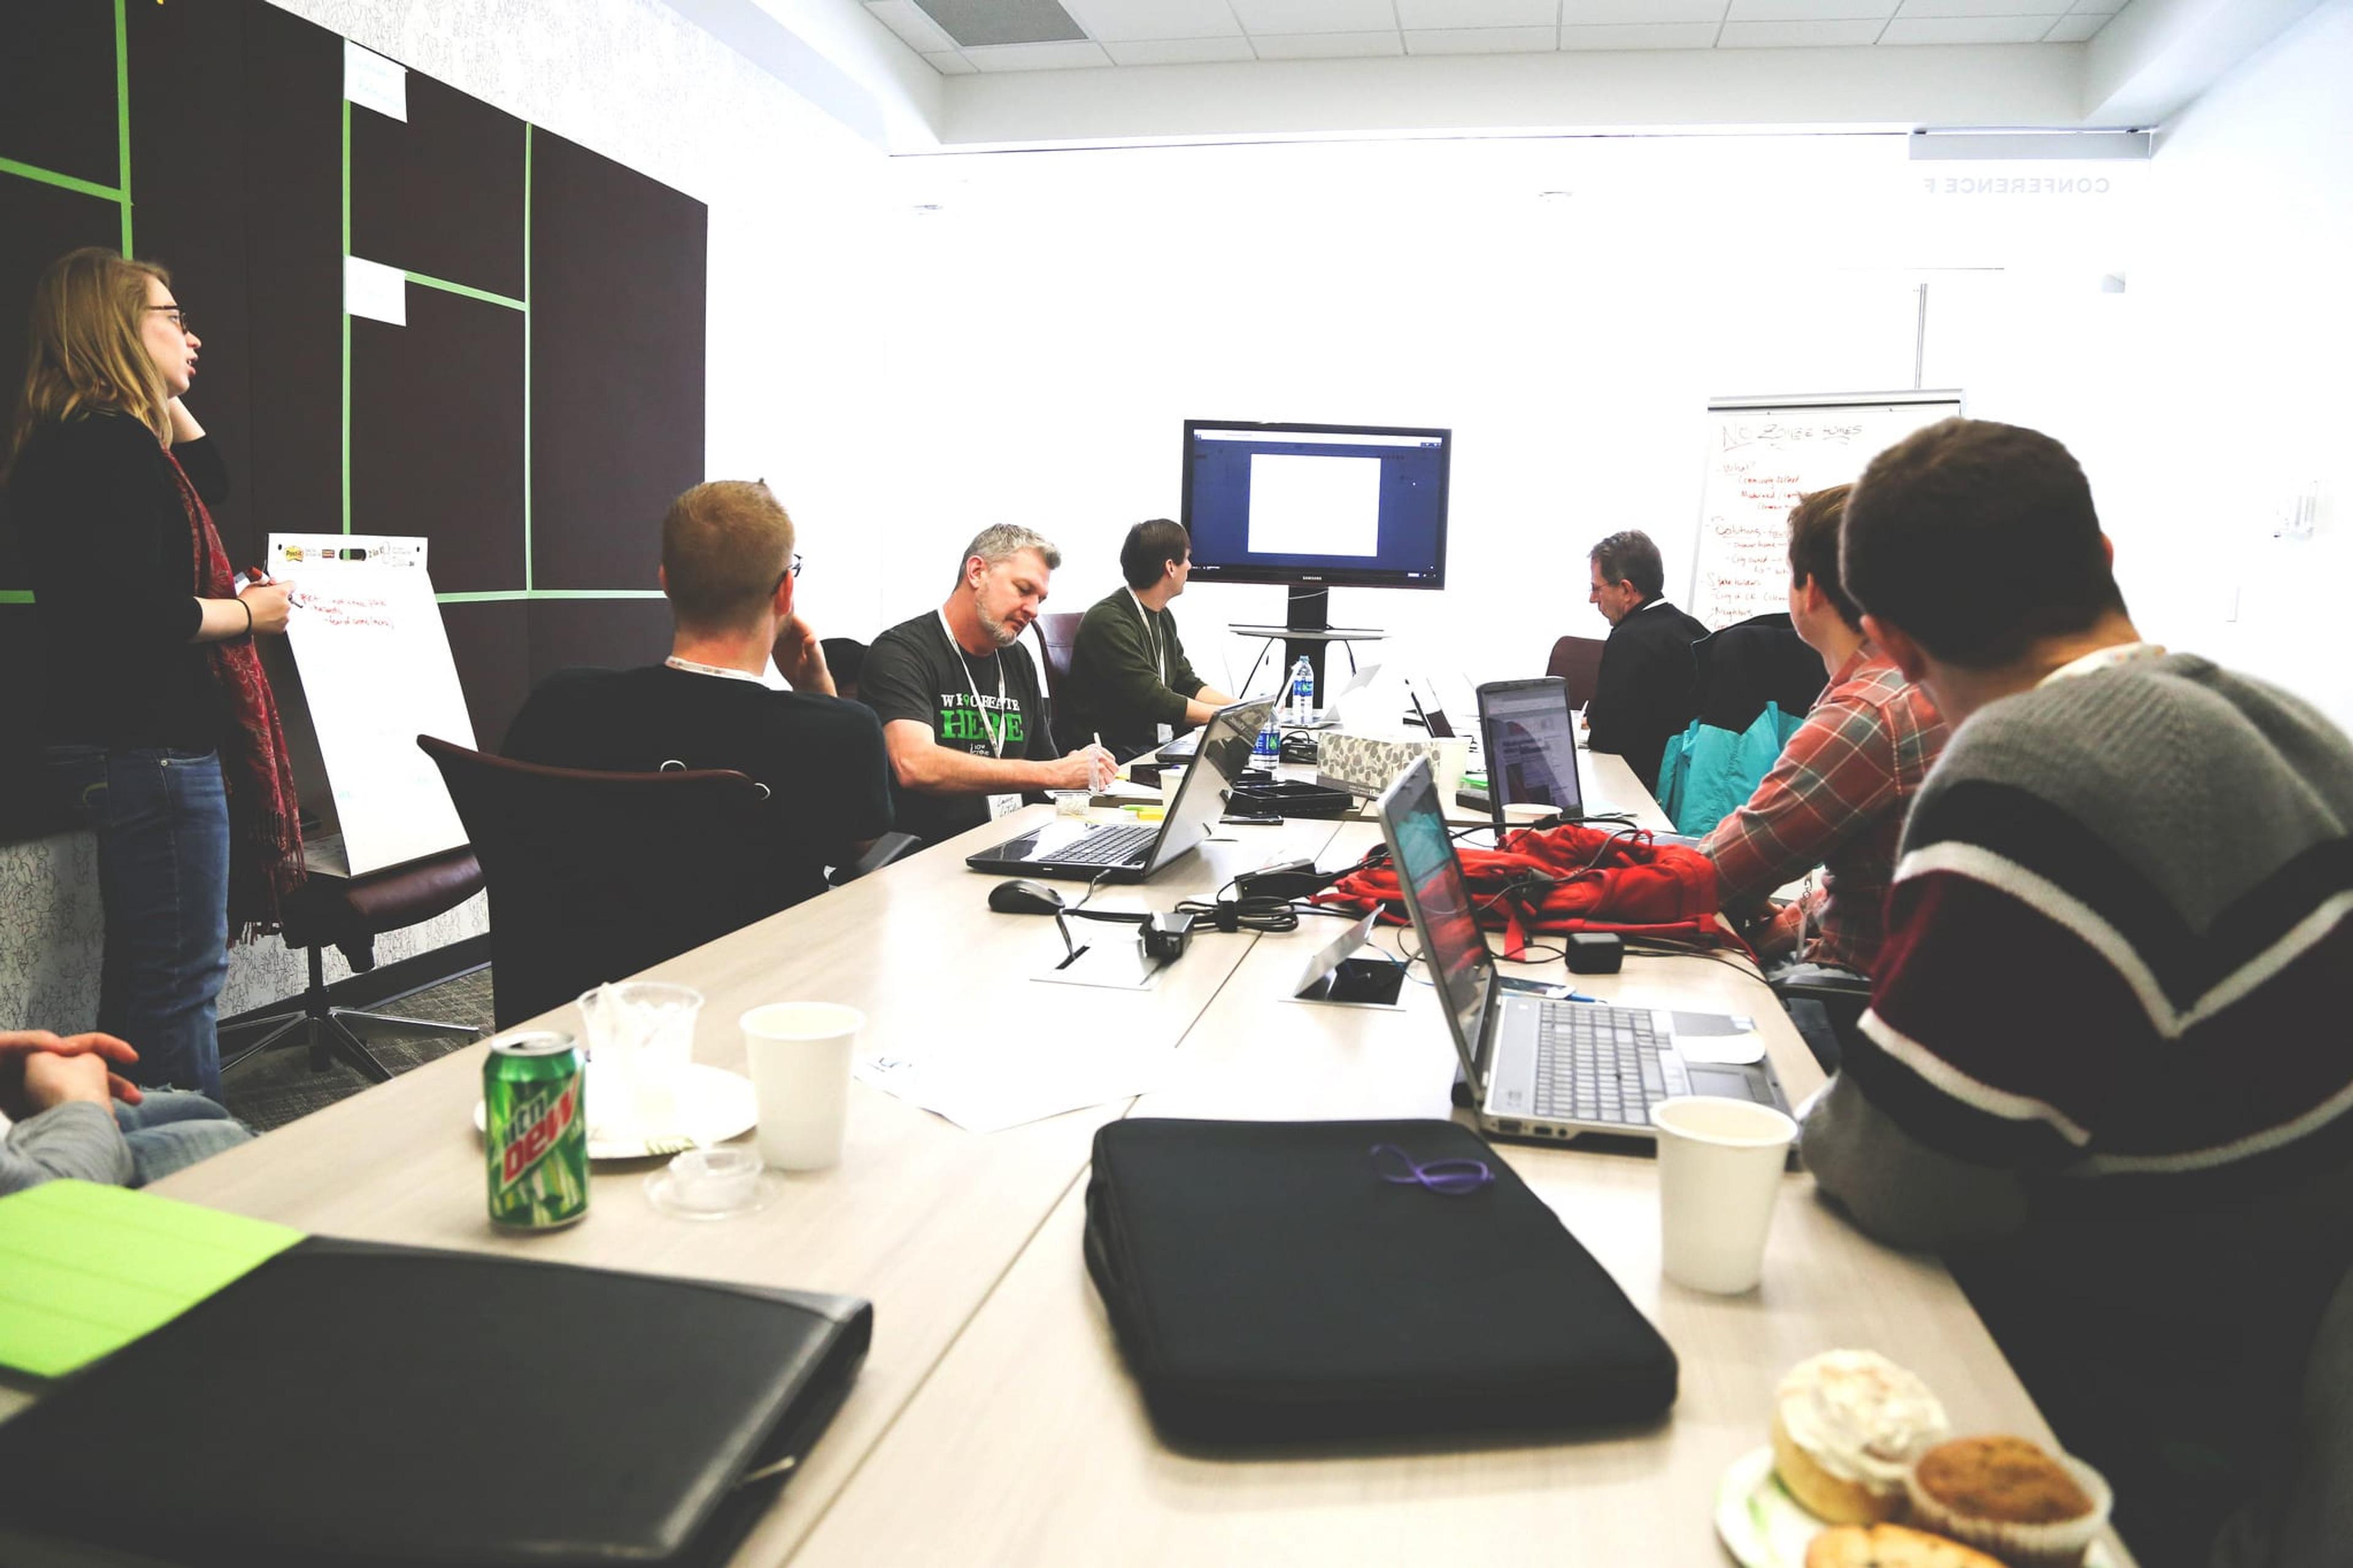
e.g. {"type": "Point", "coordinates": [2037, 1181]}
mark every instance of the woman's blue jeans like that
{"type": "Point", "coordinates": [162, 821]}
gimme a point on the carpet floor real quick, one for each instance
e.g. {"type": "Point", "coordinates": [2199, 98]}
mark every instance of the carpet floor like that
{"type": "Point", "coordinates": [281, 1084]}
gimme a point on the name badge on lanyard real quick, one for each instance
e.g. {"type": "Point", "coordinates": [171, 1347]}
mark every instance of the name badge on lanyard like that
{"type": "Point", "coordinates": [1166, 732]}
{"type": "Point", "coordinates": [998, 805]}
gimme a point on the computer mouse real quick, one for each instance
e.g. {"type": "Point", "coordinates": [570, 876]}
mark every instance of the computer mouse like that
{"type": "Point", "coordinates": [1023, 897]}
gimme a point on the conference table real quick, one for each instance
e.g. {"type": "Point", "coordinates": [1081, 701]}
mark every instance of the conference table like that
{"type": "Point", "coordinates": [994, 1421]}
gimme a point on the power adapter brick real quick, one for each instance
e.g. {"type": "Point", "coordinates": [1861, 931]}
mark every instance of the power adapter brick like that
{"type": "Point", "coordinates": [1289, 879]}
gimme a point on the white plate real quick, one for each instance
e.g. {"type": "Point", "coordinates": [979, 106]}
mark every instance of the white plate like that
{"type": "Point", "coordinates": [1764, 1527]}
{"type": "Point", "coordinates": [713, 1105]}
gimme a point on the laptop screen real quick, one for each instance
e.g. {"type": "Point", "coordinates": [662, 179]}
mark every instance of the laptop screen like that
{"type": "Point", "coordinates": [1439, 900]}
{"type": "Point", "coordinates": [1223, 754]}
{"type": "Point", "coordinates": [1531, 745]}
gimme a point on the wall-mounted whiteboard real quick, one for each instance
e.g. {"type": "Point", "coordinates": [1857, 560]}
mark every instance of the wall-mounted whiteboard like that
{"type": "Point", "coordinates": [366, 634]}
{"type": "Point", "coordinates": [1762, 453]}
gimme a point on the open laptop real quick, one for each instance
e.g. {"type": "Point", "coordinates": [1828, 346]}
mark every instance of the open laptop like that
{"type": "Point", "coordinates": [1131, 852]}
{"type": "Point", "coordinates": [1182, 748]}
{"type": "Point", "coordinates": [1529, 738]}
{"type": "Point", "coordinates": [1540, 1067]}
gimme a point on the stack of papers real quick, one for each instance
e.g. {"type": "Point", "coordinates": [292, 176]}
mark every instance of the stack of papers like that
{"type": "Point", "coordinates": [991, 1088]}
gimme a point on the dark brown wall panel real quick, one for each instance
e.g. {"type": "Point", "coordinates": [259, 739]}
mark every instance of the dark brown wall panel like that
{"type": "Point", "coordinates": [57, 87]}
{"type": "Point", "coordinates": [37, 224]}
{"type": "Point", "coordinates": [293, 169]}
{"type": "Point", "coordinates": [187, 180]}
{"type": "Point", "coordinates": [441, 192]}
{"type": "Point", "coordinates": [437, 436]}
{"type": "Point", "coordinates": [490, 644]}
{"type": "Point", "coordinates": [613, 634]}
{"type": "Point", "coordinates": [617, 363]}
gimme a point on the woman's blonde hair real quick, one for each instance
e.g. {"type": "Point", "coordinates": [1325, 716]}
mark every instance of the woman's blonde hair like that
{"type": "Point", "coordinates": [86, 349]}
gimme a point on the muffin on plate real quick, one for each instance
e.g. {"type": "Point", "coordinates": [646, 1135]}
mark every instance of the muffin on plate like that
{"type": "Point", "coordinates": [2006, 1496]}
{"type": "Point", "coordinates": [1890, 1546]}
{"type": "Point", "coordinates": [1846, 1426]}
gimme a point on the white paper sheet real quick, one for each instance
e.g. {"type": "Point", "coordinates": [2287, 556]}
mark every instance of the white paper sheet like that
{"type": "Point", "coordinates": [375, 290]}
{"type": "Point", "coordinates": [991, 1087]}
{"type": "Point", "coordinates": [374, 82]}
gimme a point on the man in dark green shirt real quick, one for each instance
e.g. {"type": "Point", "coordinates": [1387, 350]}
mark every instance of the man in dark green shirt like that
{"type": "Point", "coordinates": [1130, 681]}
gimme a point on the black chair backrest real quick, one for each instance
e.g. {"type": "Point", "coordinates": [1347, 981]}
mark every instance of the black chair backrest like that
{"type": "Point", "coordinates": [1058, 634]}
{"type": "Point", "coordinates": [1738, 670]}
{"type": "Point", "coordinates": [1577, 661]}
{"type": "Point", "coordinates": [593, 875]}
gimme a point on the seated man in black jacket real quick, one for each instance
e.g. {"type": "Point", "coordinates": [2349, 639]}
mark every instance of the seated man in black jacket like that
{"type": "Point", "coordinates": [1643, 698]}
{"type": "Point", "coordinates": [729, 568]}
{"type": "Point", "coordinates": [1130, 680]}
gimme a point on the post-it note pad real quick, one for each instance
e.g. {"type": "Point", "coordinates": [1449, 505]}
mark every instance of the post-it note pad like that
{"type": "Point", "coordinates": [84, 1270]}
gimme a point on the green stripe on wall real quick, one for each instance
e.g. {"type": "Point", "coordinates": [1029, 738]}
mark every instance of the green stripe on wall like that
{"type": "Point", "coordinates": [527, 353]}
{"type": "Point", "coordinates": [64, 181]}
{"type": "Point", "coordinates": [448, 287]}
{"type": "Point", "coordinates": [347, 318]}
{"type": "Point", "coordinates": [122, 119]}
{"type": "Point", "coordinates": [15, 595]}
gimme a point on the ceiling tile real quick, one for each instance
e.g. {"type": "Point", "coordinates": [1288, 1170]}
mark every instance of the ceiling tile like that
{"type": "Point", "coordinates": [1797, 35]}
{"type": "Point", "coordinates": [975, 22]}
{"type": "Point", "coordinates": [1981, 7]}
{"type": "Point", "coordinates": [916, 30]}
{"type": "Point", "coordinates": [1317, 17]}
{"type": "Point", "coordinates": [1179, 52]}
{"type": "Point", "coordinates": [1130, 21]}
{"type": "Point", "coordinates": [1325, 46]}
{"type": "Point", "coordinates": [1480, 41]}
{"type": "Point", "coordinates": [1643, 12]}
{"type": "Point", "coordinates": [1037, 57]}
{"type": "Point", "coordinates": [1641, 35]}
{"type": "Point", "coordinates": [1965, 30]}
{"type": "Point", "coordinates": [951, 64]}
{"type": "Point", "coordinates": [2073, 29]}
{"type": "Point", "coordinates": [1447, 15]}
{"type": "Point", "coordinates": [1813, 10]}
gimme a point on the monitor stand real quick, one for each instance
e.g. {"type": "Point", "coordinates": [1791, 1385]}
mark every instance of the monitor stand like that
{"type": "Point", "coordinates": [1308, 630]}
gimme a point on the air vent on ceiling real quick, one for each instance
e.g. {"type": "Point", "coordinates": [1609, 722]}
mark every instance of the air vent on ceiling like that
{"type": "Point", "coordinates": [975, 21]}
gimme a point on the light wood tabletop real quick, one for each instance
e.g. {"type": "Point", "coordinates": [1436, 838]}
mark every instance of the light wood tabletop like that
{"type": "Point", "coordinates": [994, 1421]}
{"type": "Point", "coordinates": [921, 1217]}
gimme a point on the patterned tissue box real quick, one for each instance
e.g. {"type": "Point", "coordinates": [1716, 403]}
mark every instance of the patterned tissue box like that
{"type": "Point", "coordinates": [1370, 764]}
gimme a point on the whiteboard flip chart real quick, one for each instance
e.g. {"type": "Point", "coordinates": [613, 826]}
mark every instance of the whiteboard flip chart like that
{"type": "Point", "coordinates": [366, 636]}
{"type": "Point", "coordinates": [1762, 455]}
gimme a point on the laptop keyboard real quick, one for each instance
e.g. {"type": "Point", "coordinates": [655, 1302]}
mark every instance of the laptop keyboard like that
{"type": "Point", "coordinates": [1601, 1064]}
{"type": "Point", "coordinates": [1108, 845]}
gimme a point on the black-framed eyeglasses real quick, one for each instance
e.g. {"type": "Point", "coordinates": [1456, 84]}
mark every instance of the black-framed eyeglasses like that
{"type": "Point", "coordinates": [792, 571]}
{"type": "Point", "coordinates": [180, 317]}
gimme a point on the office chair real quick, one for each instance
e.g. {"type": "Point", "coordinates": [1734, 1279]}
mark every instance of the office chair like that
{"type": "Point", "coordinates": [351, 912]}
{"type": "Point", "coordinates": [846, 657]}
{"type": "Point", "coordinates": [1577, 661]}
{"type": "Point", "coordinates": [1058, 634]}
{"type": "Point", "coordinates": [596, 876]}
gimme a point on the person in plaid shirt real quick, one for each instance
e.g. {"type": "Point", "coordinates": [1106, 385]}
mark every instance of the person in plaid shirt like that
{"type": "Point", "coordinates": [1836, 798]}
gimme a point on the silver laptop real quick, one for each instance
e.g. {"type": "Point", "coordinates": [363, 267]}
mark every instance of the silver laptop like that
{"type": "Point", "coordinates": [1530, 747]}
{"type": "Point", "coordinates": [1133, 852]}
{"type": "Point", "coordinates": [1540, 1067]}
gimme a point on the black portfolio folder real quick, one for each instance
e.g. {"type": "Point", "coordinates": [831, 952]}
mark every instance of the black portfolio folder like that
{"type": "Point", "coordinates": [346, 1406]}
{"type": "Point", "coordinates": [1269, 1282]}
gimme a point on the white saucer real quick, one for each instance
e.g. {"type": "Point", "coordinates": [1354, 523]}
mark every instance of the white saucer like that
{"type": "Point", "coordinates": [657, 1193]}
{"type": "Point", "coordinates": [713, 1105]}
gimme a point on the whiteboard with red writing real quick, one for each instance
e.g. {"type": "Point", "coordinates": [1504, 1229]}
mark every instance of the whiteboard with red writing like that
{"type": "Point", "coordinates": [1762, 453]}
{"type": "Point", "coordinates": [366, 634]}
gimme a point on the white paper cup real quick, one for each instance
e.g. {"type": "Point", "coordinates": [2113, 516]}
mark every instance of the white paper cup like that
{"type": "Point", "coordinates": [1720, 1167]}
{"type": "Point", "coordinates": [1446, 771]}
{"type": "Point", "coordinates": [1169, 779]}
{"type": "Point", "coordinates": [799, 1056]}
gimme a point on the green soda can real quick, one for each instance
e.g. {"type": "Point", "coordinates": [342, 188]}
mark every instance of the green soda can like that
{"type": "Point", "coordinates": [535, 1132]}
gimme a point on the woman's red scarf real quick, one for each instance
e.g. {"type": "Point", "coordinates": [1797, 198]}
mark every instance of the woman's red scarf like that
{"type": "Point", "coordinates": [264, 831]}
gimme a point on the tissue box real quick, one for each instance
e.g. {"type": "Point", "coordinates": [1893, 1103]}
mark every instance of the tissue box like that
{"type": "Point", "coordinates": [1368, 764]}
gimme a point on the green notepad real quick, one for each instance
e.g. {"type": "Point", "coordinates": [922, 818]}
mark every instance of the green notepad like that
{"type": "Point", "coordinates": [84, 1270]}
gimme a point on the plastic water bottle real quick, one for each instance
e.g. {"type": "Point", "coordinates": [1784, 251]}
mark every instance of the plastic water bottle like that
{"type": "Point", "coordinates": [1303, 691]}
{"type": "Point", "coordinates": [1267, 750]}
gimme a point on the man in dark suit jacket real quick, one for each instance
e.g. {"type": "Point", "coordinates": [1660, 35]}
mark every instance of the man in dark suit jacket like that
{"type": "Point", "coordinates": [1643, 698]}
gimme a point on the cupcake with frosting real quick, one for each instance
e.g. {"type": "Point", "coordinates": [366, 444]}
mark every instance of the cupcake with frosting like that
{"type": "Point", "coordinates": [1846, 1425]}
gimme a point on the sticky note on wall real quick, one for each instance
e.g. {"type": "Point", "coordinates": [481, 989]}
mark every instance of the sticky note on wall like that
{"type": "Point", "coordinates": [374, 82]}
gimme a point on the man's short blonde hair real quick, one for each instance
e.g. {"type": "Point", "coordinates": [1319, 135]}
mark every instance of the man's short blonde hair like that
{"type": "Point", "coordinates": [725, 547]}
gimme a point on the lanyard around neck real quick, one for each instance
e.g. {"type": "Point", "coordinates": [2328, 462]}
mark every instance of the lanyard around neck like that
{"type": "Point", "coordinates": [995, 736]}
{"type": "Point", "coordinates": [691, 668]}
{"type": "Point", "coordinates": [1152, 633]}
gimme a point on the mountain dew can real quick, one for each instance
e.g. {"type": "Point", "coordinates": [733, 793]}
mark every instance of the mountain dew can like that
{"type": "Point", "coordinates": [535, 1132]}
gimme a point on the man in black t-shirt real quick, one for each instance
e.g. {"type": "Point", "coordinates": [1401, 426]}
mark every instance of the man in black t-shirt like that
{"type": "Point", "coordinates": [729, 568]}
{"type": "Point", "coordinates": [962, 717]}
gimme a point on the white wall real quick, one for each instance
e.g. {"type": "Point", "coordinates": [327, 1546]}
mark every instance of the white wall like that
{"type": "Point", "coordinates": [1072, 308]}
{"type": "Point", "coordinates": [2242, 320]}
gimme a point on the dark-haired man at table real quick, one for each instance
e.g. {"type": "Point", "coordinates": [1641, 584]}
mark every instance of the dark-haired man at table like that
{"type": "Point", "coordinates": [1130, 680]}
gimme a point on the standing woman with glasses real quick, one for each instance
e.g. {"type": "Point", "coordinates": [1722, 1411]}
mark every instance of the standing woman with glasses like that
{"type": "Point", "coordinates": [159, 723]}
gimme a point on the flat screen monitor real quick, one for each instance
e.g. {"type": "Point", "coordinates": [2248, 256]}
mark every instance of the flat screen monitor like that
{"type": "Point", "coordinates": [1352, 505]}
